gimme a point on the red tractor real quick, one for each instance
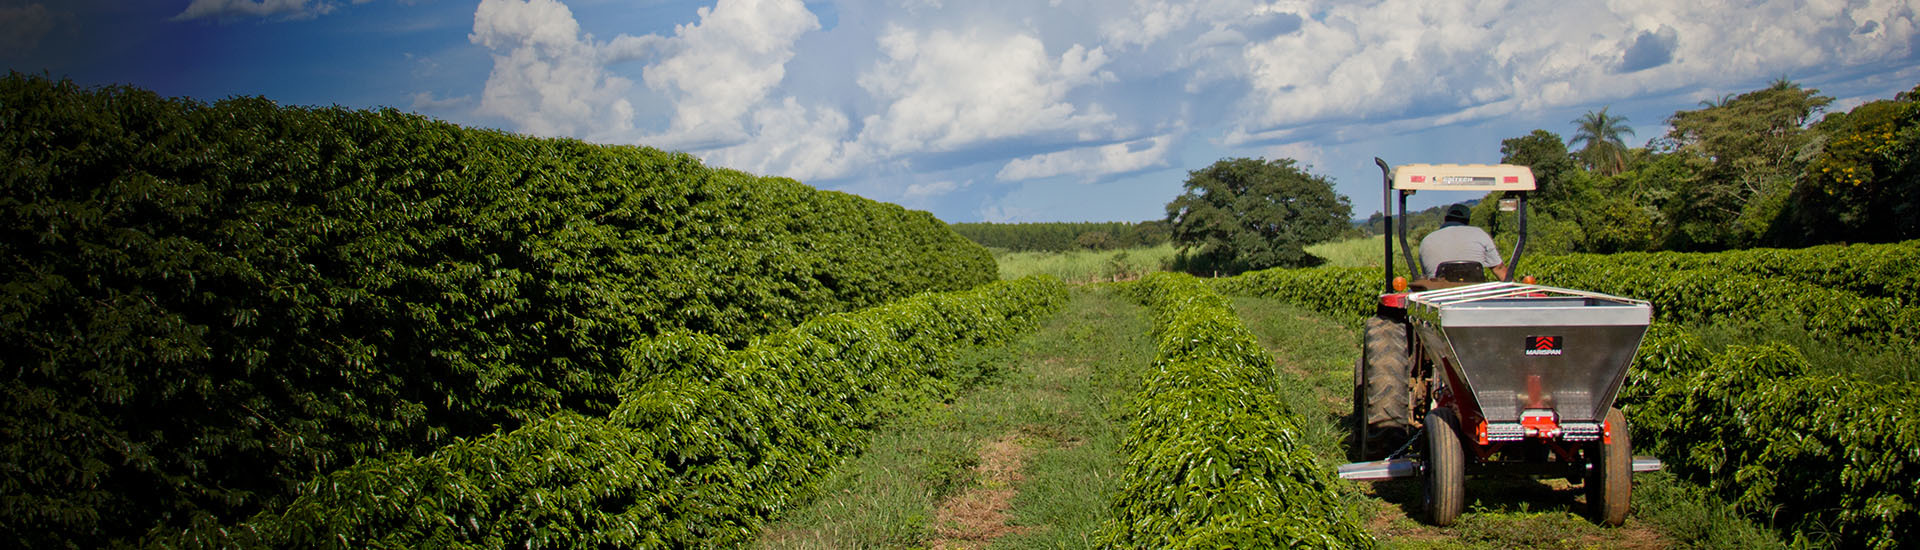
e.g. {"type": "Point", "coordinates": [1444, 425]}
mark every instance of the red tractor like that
{"type": "Point", "coordinates": [1464, 376]}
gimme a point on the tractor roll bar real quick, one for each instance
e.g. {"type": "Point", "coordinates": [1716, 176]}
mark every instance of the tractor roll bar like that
{"type": "Point", "coordinates": [1388, 229]}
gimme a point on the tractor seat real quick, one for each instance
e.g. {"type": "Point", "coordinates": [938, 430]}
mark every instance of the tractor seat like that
{"type": "Point", "coordinates": [1449, 275]}
{"type": "Point", "coordinates": [1460, 272]}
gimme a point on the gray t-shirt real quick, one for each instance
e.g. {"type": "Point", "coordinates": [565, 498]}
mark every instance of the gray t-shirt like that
{"type": "Point", "coordinates": [1457, 243]}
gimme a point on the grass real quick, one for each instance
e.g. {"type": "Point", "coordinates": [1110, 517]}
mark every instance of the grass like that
{"type": "Point", "coordinates": [1084, 266]}
{"type": "Point", "coordinates": [1358, 252]}
{"type": "Point", "coordinates": [1503, 513]}
{"type": "Point", "coordinates": [1056, 394]}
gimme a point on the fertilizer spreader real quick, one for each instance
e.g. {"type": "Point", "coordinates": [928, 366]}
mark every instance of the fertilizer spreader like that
{"type": "Point", "coordinates": [1461, 376]}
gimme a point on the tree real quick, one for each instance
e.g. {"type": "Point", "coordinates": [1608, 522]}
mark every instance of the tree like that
{"type": "Point", "coordinates": [1862, 182]}
{"type": "Point", "coordinates": [1244, 214]}
{"type": "Point", "coordinates": [1745, 152]}
{"type": "Point", "coordinates": [1604, 150]}
{"type": "Point", "coordinates": [1543, 151]}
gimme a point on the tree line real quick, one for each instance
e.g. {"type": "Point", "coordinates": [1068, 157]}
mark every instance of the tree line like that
{"type": "Point", "coordinates": [1761, 168]}
{"type": "Point", "coordinates": [1065, 236]}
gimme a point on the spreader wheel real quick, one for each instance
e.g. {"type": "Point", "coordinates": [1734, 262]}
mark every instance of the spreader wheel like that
{"type": "Point", "coordinates": [1610, 483]}
{"type": "Point", "coordinates": [1383, 393]}
{"type": "Point", "coordinates": [1446, 468]}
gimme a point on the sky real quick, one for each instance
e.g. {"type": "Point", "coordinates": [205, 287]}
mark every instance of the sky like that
{"type": "Point", "coordinates": [993, 110]}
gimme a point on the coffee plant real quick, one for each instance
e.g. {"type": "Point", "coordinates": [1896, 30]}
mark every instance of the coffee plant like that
{"type": "Point", "coordinates": [203, 304]}
{"type": "Point", "coordinates": [705, 445]}
{"type": "Point", "coordinates": [1214, 456]}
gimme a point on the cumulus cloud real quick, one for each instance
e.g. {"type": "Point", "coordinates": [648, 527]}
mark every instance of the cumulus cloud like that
{"type": "Point", "coordinates": [1454, 62]}
{"type": "Point", "coordinates": [22, 27]}
{"type": "Point", "coordinates": [792, 140]}
{"type": "Point", "coordinates": [237, 9]}
{"type": "Point", "coordinates": [945, 90]}
{"type": "Point", "coordinates": [1091, 162]}
{"type": "Point", "coordinates": [548, 78]}
{"type": "Point", "coordinates": [717, 69]}
{"type": "Point", "coordinates": [933, 189]}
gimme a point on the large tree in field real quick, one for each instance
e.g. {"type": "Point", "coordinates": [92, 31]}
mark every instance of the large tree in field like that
{"type": "Point", "coordinates": [1601, 147]}
{"type": "Point", "coordinates": [1244, 214]}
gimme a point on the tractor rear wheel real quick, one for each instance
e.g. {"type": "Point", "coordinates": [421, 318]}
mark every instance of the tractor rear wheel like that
{"type": "Point", "coordinates": [1383, 394]}
{"type": "Point", "coordinates": [1446, 468]}
{"type": "Point", "coordinates": [1610, 482]}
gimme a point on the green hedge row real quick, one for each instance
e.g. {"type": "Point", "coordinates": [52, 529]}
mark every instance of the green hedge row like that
{"type": "Point", "coordinates": [1874, 270]}
{"type": "Point", "coordinates": [1833, 460]}
{"type": "Point", "coordinates": [705, 445]}
{"type": "Point", "coordinates": [1718, 295]}
{"type": "Point", "coordinates": [1344, 292]}
{"type": "Point", "coordinates": [201, 303]}
{"type": "Point", "coordinates": [1214, 456]}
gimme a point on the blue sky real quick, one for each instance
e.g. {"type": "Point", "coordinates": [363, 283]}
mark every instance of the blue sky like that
{"type": "Point", "coordinates": [992, 110]}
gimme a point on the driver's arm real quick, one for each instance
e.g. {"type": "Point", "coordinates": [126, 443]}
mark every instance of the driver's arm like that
{"type": "Point", "coordinates": [1499, 272]}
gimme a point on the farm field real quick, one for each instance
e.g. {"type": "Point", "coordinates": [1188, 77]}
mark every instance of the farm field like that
{"type": "Point", "coordinates": [327, 328]}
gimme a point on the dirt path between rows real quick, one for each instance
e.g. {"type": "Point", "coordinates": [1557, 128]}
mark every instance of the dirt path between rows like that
{"type": "Point", "coordinates": [978, 516]}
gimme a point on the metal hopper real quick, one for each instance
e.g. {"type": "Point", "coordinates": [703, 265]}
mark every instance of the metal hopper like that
{"type": "Point", "coordinates": [1521, 350]}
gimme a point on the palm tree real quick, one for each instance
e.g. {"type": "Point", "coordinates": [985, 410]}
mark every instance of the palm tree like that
{"type": "Point", "coordinates": [1605, 151]}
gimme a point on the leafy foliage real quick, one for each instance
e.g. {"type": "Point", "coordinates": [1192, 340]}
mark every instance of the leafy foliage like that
{"type": "Point", "coordinates": [1701, 294]}
{"type": "Point", "coordinates": [1346, 292]}
{"type": "Point", "coordinates": [1863, 184]}
{"type": "Point", "coordinates": [1214, 458]}
{"type": "Point", "coordinates": [1243, 214]}
{"type": "Point", "coordinates": [201, 304]}
{"type": "Point", "coordinates": [1604, 150]}
{"type": "Point", "coordinates": [704, 446]}
{"type": "Point", "coordinates": [1828, 457]}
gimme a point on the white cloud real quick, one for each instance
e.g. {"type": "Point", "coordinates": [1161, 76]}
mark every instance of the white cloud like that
{"type": "Point", "coordinates": [548, 78]}
{"type": "Point", "coordinates": [22, 27]}
{"type": "Point", "coordinates": [717, 69]}
{"type": "Point", "coordinates": [794, 141]}
{"type": "Point", "coordinates": [1091, 162]}
{"type": "Point", "coordinates": [1458, 62]}
{"type": "Point", "coordinates": [1001, 213]}
{"type": "Point", "coordinates": [234, 9]}
{"type": "Point", "coordinates": [933, 189]}
{"type": "Point", "coordinates": [1307, 154]}
{"type": "Point", "coordinates": [426, 102]}
{"type": "Point", "coordinates": [944, 91]}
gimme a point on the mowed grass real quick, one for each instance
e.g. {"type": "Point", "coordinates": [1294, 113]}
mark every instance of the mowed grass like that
{"type": "Point", "coordinates": [1048, 407]}
{"type": "Point", "coordinates": [1083, 266]}
{"type": "Point", "coordinates": [1320, 352]}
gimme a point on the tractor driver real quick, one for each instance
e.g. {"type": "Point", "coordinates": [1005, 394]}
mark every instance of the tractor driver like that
{"type": "Point", "coordinates": [1458, 241]}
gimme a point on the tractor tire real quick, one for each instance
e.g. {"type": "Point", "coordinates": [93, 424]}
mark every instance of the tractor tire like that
{"type": "Point", "coordinates": [1383, 400]}
{"type": "Point", "coordinates": [1610, 482]}
{"type": "Point", "coordinates": [1446, 468]}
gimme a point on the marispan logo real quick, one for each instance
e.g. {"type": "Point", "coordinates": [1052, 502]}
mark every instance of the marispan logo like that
{"type": "Point", "coordinates": [1543, 345]}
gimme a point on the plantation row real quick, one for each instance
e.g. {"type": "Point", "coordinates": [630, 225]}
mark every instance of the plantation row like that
{"type": "Point", "coordinates": [1833, 460]}
{"type": "Point", "coordinates": [1213, 454]}
{"type": "Point", "coordinates": [1889, 271]}
{"type": "Point", "coordinates": [1683, 287]}
{"type": "Point", "coordinates": [201, 305]}
{"type": "Point", "coordinates": [1828, 457]}
{"type": "Point", "coordinates": [705, 444]}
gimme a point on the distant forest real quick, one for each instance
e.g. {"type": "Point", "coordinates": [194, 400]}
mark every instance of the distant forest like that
{"type": "Point", "coordinates": [1062, 237]}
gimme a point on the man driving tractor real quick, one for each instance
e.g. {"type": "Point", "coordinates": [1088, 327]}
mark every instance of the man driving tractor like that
{"type": "Point", "coordinates": [1456, 240]}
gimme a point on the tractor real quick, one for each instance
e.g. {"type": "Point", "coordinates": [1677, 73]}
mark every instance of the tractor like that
{"type": "Point", "coordinates": [1461, 375]}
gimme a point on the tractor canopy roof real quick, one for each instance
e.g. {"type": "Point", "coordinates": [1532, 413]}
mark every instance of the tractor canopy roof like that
{"type": "Point", "coordinates": [1463, 177]}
